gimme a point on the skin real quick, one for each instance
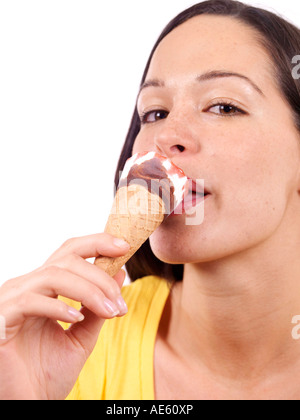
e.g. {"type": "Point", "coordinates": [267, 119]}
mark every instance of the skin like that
{"type": "Point", "coordinates": [226, 329]}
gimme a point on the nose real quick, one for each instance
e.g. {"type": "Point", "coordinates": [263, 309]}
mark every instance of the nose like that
{"type": "Point", "coordinates": [174, 137]}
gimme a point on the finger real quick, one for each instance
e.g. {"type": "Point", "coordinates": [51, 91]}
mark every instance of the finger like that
{"type": "Point", "coordinates": [76, 265]}
{"type": "Point", "coordinates": [54, 281]}
{"type": "Point", "coordinates": [120, 278]}
{"type": "Point", "coordinates": [91, 246]}
{"type": "Point", "coordinates": [82, 268]}
{"type": "Point", "coordinates": [39, 306]}
{"type": "Point", "coordinates": [86, 333]}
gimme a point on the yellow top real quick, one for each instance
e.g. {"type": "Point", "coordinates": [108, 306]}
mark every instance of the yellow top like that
{"type": "Point", "coordinates": [121, 365]}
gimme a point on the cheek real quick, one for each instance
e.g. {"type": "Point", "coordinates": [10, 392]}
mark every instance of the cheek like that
{"type": "Point", "coordinates": [263, 166]}
{"type": "Point", "coordinates": [142, 144]}
{"type": "Point", "coordinates": [256, 193]}
{"type": "Point", "coordinates": [175, 245]}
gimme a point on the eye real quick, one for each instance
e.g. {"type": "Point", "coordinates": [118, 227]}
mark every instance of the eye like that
{"type": "Point", "coordinates": [153, 116]}
{"type": "Point", "coordinates": [225, 109]}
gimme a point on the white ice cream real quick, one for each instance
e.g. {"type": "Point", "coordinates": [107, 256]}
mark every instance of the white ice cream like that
{"type": "Point", "coordinates": [178, 179]}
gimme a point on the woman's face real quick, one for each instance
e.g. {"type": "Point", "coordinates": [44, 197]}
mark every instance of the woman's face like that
{"type": "Point", "coordinates": [211, 104]}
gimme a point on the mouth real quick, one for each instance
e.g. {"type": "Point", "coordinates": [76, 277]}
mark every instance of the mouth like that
{"type": "Point", "coordinates": [197, 193]}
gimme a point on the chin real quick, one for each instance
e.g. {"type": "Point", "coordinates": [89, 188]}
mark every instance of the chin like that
{"type": "Point", "coordinates": [175, 250]}
{"type": "Point", "coordinates": [168, 258]}
{"type": "Point", "coordinates": [175, 247]}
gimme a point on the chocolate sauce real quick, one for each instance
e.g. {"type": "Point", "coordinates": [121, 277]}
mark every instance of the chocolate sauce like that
{"type": "Point", "coordinates": [154, 175]}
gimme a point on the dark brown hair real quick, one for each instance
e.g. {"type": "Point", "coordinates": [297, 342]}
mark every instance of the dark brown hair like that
{"type": "Point", "coordinates": [280, 38]}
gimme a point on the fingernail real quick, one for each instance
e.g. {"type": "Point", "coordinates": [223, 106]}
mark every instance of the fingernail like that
{"type": "Point", "coordinates": [122, 305]}
{"type": "Point", "coordinates": [76, 315]}
{"type": "Point", "coordinates": [111, 307]}
{"type": "Point", "coordinates": [120, 243]}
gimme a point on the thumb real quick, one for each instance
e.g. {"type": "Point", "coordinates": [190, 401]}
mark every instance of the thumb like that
{"type": "Point", "coordinates": [120, 278]}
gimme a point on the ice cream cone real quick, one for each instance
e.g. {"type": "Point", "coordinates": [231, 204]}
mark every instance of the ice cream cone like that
{"type": "Point", "coordinates": [135, 215]}
{"type": "Point", "coordinates": [150, 188]}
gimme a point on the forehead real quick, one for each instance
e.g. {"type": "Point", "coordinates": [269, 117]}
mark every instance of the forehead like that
{"type": "Point", "coordinates": [206, 43]}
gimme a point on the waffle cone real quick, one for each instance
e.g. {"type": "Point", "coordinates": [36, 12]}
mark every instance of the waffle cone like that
{"type": "Point", "coordinates": [135, 215]}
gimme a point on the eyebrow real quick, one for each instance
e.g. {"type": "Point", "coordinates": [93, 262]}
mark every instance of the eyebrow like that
{"type": "Point", "coordinates": [223, 74]}
{"type": "Point", "coordinates": [211, 75]}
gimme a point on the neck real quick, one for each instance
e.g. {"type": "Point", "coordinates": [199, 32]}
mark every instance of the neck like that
{"type": "Point", "coordinates": [235, 314]}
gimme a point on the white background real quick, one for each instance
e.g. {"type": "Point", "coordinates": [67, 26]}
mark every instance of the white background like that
{"type": "Point", "coordinates": [69, 76]}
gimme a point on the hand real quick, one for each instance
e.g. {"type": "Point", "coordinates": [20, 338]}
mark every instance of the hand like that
{"type": "Point", "coordinates": [38, 359]}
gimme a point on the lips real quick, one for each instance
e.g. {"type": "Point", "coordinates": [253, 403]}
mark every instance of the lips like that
{"type": "Point", "coordinates": [196, 194]}
{"type": "Point", "coordinates": [197, 186]}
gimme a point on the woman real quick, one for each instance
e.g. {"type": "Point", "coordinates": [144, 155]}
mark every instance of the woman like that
{"type": "Point", "coordinates": [218, 97]}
